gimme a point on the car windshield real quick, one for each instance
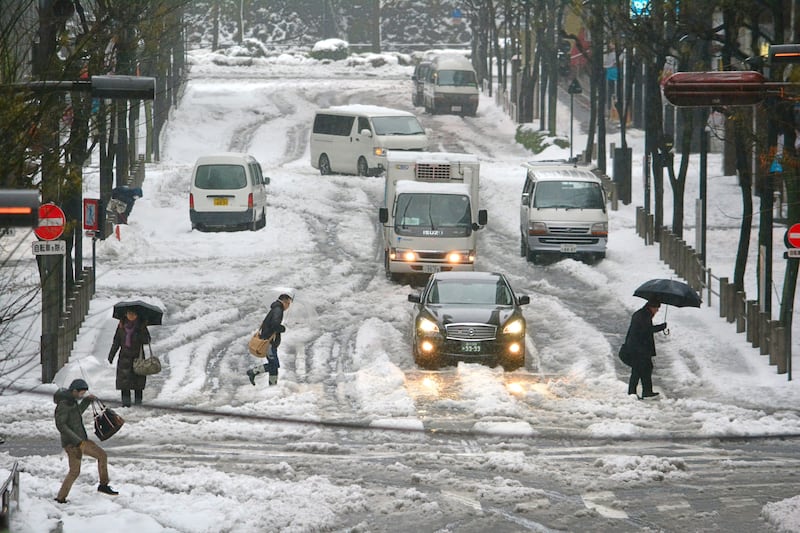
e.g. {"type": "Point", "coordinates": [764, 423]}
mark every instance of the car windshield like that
{"type": "Point", "coordinates": [457, 78]}
{"type": "Point", "coordinates": [432, 211]}
{"type": "Point", "coordinates": [220, 177]}
{"type": "Point", "coordinates": [470, 292]}
{"type": "Point", "coordinates": [397, 126]}
{"type": "Point", "coordinates": [568, 195]}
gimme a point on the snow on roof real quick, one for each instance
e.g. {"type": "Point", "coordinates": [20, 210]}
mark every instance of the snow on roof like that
{"type": "Point", "coordinates": [562, 173]}
{"type": "Point", "coordinates": [330, 45]}
{"type": "Point", "coordinates": [429, 157]}
{"type": "Point", "coordinates": [426, 187]}
{"type": "Point", "coordinates": [224, 157]}
{"type": "Point", "coordinates": [372, 110]}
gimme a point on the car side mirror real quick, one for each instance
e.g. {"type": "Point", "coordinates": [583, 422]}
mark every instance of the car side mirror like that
{"type": "Point", "coordinates": [413, 78]}
{"type": "Point", "coordinates": [483, 217]}
{"type": "Point", "coordinates": [366, 133]}
{"type": "Point", "coordinates": [266, 180]}
{"type": "Point", "coordinates": [383, 215]}
{"type": "Point", "coordinates": [524, 300]}
{"type": "Point", "coordinates": [526, 198]}
{"type": "Point", "coordinates": [415, 298]}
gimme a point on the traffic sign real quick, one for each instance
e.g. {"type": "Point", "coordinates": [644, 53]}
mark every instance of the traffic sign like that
{"type": "Point", "coordinates": [700, 89]}
{"type": "Point", "coordinates": [49, 247]}
{"type": "Point", "coordinates": [793, 236]}
{"type": "Point", "coordinates": [91, 214]}
{"type": "Point", "coordinates": [51, 222]}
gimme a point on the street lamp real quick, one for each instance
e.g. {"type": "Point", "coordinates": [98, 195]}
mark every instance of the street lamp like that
{"type": "Point", "coordinates": [573, 89]}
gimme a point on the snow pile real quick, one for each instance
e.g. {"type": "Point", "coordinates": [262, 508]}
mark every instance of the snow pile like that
{"type": "Point", "coordinates": [642, 469]}
{"type": "Point", "coordinates": [783, 515]}
{"type": "Point", "coordinates": [330, 45]}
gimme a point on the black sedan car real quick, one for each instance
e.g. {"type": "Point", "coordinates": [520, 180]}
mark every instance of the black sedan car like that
{"type": "Point", "coordinates": [469, 316]}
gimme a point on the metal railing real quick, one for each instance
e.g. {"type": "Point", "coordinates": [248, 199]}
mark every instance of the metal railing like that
{"type": "Point", "coordinates": [78, 301]}
{"type": "Point", "coordinates": [9, 498]}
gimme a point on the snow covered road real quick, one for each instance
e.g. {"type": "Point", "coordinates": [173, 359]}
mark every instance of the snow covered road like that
{"type": "Point", "coordinates": [545, 447]}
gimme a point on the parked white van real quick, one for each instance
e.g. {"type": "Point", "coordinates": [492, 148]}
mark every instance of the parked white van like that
{"type": "Point", "coordinates": [354, 139]}
{"type": "Point", "coordinates": [228, 190]}
{"type": "Point", "coordinates": [451, 86]}
{"type": "Point", "coordinates": [563, 212]}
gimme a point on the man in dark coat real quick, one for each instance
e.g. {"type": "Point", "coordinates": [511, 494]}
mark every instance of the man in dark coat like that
{"type": "Point", "coordinates": [642, 348]}
{"type": "Point", "coordinates": [70, 405]}
{"type": "Point", "coordinates": [269, 327]}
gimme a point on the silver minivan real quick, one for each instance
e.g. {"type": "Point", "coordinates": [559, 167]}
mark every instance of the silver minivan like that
{"type": "Point", "coordinates": [228, 191]}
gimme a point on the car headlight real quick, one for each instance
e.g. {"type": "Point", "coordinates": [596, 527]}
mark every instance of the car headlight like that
{"type": "Point", "coordinates": [537, 228]}
{"type": "Point", "coordinates": [427, 326]}
{"type": "Point", "coordinates": [380, 152]}
{"type": "Point", "coordinates": [514, 327]}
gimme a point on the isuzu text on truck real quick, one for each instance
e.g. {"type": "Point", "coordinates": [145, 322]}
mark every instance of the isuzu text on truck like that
{"type": "Point", "coordinates": [430, 213]}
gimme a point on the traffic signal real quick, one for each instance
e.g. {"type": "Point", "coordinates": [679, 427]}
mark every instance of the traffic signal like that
{"type": "Point", "coordinates": [19, 208]}
{"type": "Point", "coordinates": [784, 53]}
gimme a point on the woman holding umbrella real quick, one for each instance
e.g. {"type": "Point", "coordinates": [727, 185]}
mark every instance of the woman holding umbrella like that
{"type": "Point", "coordinates": [129, 339]}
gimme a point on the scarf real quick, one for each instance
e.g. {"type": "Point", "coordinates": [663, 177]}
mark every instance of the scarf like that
{"type": "Point", "coordinates": [129, 329]}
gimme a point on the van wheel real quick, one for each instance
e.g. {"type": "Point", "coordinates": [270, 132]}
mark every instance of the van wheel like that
{"type": "Point", "coordinates": [262, 223]}
{"type": "Point", "coordinates": [324, 165]}
{"type": "Point", "coordinates": [253, 226]}
{"type": "Point", "coordinates": [414, 100]}
{"type": "Point", "coordinates": [523, 246]}
{"type": "Point", "coordinates": [363, 167]}
{"type": "Point", "coordinates": [391, 276]}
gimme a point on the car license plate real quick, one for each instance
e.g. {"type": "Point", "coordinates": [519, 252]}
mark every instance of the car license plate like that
{"type": "Point", "coordinates": [431, 269]}
{"type": "Point", "coordinates": [471, 347]}
{"type": "Point", "coordinates": [569, 248]}
{"type": "Point", "coordinates": [456, 108]}
{"type": "Point", "coordinates": [220, 201]}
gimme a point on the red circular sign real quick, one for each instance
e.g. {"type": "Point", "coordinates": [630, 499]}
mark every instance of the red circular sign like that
{"type": "Point", "coordinates": [793, 236]}
{"type": "Point", "coordinates": [51, 222]}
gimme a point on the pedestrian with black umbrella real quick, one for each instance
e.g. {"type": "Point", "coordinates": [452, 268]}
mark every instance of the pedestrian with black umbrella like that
{"type": "Point", "coordinates": [129, 339]}
{"type": "Point", "coordinates": [640, 347]}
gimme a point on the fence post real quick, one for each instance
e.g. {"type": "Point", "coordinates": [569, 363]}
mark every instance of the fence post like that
{"type": "Point", "coordinates": [723, 300]}
{"type": "Point", "coordinates": [614, 197]}
{"type": "Point", "coordinates": [752, 322]}
{"type": "Point", "coordinates": [731, 306]}
{"type": "Point", "coordinates": [763, 333]}
{"type": "Point", "coordinates": [781, 347]}
{"type": "Point", "coordinates": [773, 341]}
{"type": "Point", "coordinates": [651, 229]}
{"type": "Point", "coordinates": [741, 310]}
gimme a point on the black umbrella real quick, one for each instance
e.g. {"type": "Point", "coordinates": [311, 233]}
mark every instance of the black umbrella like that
{"type": "Point", "coordinates": [148, 312]}
{"type": "Point", "coordinates": [669, 292]}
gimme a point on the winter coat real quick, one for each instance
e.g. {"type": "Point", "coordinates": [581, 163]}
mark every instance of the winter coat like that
{"type": "Point", "coordinates": [639, 340]}
{"type": "Point", "coordinates": [272, 324]}
{"type": "Point", "coordinates": [69, 417]}
{"type": "Point", "coordinates": [126, 378]}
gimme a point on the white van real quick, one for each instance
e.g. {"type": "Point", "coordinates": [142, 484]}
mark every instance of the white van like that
{"type": "Point", "coordinates": [354, 139]}
{"type": "Point", "coordinates": [451, 86]}
{"type": "Point", "coordinates": [228, 190]}
{"type": "Point", "coordinates": [563, 212]}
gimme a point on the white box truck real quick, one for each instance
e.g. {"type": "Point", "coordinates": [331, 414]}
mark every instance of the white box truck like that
{"type": "Point", "coordinates": [430, 213]}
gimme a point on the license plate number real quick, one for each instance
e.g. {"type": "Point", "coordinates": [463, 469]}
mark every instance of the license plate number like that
{"type": "Point", "coordinates": [471, 347]}
{"type": "Point", "coordinates": [220, 201]}
{"type": "Point", "coordinates": [431, 269]}
{"type": "Point", "coordinates": [569, 248]}
{"type": "Point", "coordinates": [456, 108]}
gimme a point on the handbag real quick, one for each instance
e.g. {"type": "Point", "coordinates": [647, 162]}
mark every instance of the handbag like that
{"type": "Point", "coordinates": [106, 421]}
{"type": "Point", "coordinates": [625, 354]}
{"type": "Point", "coordinates": [145, 366]}
{"type": "Point", "coordinates": [259, 346]}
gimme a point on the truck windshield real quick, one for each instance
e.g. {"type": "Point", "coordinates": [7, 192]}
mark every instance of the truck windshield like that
{"type": "Point", "coordinates": [428, 214]}
{"type": "Point", "coordinates": [568, 195]}
{"type": "Point", "coordinates": [468, 292]}
{"type": "Point", "coordinates": [397, 126]}
{"type": "Point", "coordinates": [457, 78]}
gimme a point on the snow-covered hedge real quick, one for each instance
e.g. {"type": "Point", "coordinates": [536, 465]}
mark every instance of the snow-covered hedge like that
{"type": "Point", "coordinates": [537, 140]}
{"type": "Point", "coordinates": [334, 49]}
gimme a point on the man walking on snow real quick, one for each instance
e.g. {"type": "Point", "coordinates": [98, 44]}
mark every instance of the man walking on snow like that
{"type": "Point", "coordinates": [272, 326]}
{"type": "Point", "coordinates": [70, 405]}
{"type": "Point", "coordinates": [642, 348]}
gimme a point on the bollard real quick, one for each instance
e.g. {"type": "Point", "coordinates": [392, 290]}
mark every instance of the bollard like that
{"type": "Point", "coordinates": [752, 322]}
{"type": "Point", "coordinates": [651, 229]}
{"type": "Point", "coordinates": [773, 341]}
{"type": "Point", "coordinates": [741, 309]}
{"type": "Point", "coordinates": [763, 333]}
{"type": "Point", "coordinates": [723, 297]}
{"type": "Point", "coordinates": [781, 341]}
{"type": "Point", "coordinates": [614, 197]}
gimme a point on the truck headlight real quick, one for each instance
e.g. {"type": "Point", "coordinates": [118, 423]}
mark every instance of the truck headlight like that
{"type": "Point", "coordinates": [426, 325]}
{"type": "Point", "coordinates": [380, 152]}
{"type": "Point", "coordinates": [537, 228]}
{"type": "Point", "coordinates": [514, 327]}
{"type": "Point", "coordinates": [407, 255]}
{"type": "Point", "coordinates": [600, 229]}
